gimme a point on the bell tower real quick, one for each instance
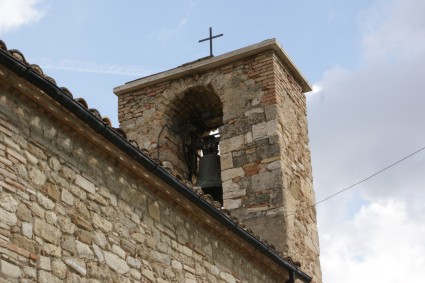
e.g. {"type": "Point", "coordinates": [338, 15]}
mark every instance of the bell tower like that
{"type": "Point", "coordinates": [255, 98]}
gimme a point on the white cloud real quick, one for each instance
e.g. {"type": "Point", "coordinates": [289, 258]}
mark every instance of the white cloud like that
{"type": "Point", "coordinates": [380, 244]}
{"type": "Point", "coordinates": [361, 121]}
{"type": "Point", "coordinates": [15, 13]}
{"type": "Point", "coordinates": [394, 29]}
{"type": "Point", "coordinates": [93, 67]}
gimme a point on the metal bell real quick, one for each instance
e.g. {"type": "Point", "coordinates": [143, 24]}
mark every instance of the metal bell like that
{"type": "Point", "coordinates": [209, 174]}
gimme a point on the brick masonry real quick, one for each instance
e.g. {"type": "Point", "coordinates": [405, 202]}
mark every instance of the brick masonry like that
{"type": "Point", "coordinates": [265, 157]}
{"type": "Point", "coordinates": [69, 212]}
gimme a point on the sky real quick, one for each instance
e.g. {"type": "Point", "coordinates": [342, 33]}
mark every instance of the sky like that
{"type": "Point", "coordinates": [364, 59]}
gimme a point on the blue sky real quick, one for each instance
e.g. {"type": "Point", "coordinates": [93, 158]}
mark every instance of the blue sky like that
{"type": "Point", "coordinates": [364, 58]}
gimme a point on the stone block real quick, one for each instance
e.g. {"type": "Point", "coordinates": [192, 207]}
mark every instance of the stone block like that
{"type": "Point", "coordinates": [25, 243]}
{"type": "Point", "coordinates": [231, 173]}
{"type": "Point", "coordinates": [7, 217]}
{"type": "Point", "coordinates": [23, 213]}
{"type": "Point", "coordinates": [266, 180]}
{"type": "Point", "coordinates": [26, 229]}
{"type": "Point", "coordinates": [67, 197]}
{"type": "Point", "coordinates": [77, 265]}
{"type": "Point", "coordinates": [52, 250]}
{"type": "Point", "coordinates": [46, 231]}
{"type": "Point", "coordinates": [101, 222]}
{"type": "Point", "coordinates": [59, 268]}
{"type": "Point", "coordinates": [52, 191]}
{"type": "Point", "coordinates": [10, 270]}
{"type": "Point", "coordinates": [47, 277]}
{"type": "Point", "coordinates": [45, 202]}
{"type": "Point", "coordinates": [8, 202]}
{"type": "Point", "coordinates": [37, 176]}
{"type": "Point", "coordinates": [118, 251]}
{"type": "Point", "coordinates": [99, 253]}
{"type": "Point", "coordinates": [232, 203]}
{"type": "Point", "coordinates": [44, 263]}
{"type": "Point", "coordinates": [234, 143]}
{"type": "Point", "coordinates": [232, 190]}
{"type": "Point", "coordinates": [226, 160]}
{"type": "Point", "coordinates": [116, 263]}
{"type": "Point", "coordinates": [154, 211]}
{"type": "Point", "coordinates": [83, 250]}
{"type": "Point", "coordinates": [85, 184]}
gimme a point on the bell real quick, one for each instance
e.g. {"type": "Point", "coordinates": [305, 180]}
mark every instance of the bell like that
{"type": "Point", "coordinates": [209, 176]}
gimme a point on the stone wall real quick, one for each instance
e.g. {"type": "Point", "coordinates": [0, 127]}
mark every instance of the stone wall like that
{"type": "Point", "coordinates": [70, 213]}
{"type": "Point", "coordinates": [265, 158]}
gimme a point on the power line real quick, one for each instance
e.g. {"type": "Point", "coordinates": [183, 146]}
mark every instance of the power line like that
{"type": "Point", "coordinates": [359, 182]}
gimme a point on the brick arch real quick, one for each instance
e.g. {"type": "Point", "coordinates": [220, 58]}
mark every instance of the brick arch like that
{"type": "Point", "coordinates": [200, 106]}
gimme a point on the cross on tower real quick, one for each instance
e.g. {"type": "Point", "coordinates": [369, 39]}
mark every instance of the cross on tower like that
{"type": "Point", "coordinates": [210, 39]}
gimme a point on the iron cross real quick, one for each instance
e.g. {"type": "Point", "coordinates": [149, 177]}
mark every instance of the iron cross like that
{"type": "Point", "coordinates": [210, 39]}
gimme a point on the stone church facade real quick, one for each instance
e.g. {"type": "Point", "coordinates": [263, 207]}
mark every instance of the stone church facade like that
{"type": "Point", "coordinates": [81, 201]}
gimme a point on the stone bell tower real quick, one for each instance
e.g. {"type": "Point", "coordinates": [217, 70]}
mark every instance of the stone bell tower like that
{"type": "Point", "coordinates": [254, 97]}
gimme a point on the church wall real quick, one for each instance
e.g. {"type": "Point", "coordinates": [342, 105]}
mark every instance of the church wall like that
{"type": "Point", "coordinates": [69, 213]}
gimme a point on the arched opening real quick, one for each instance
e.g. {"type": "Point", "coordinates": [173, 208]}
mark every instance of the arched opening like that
{"type": "Point", "coordinates": [196, 115]}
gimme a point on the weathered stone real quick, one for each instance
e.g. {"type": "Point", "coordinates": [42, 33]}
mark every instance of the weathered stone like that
{"type": "Point", "coordinates": [51, 217]}
{"type": "Point", "coordinates": [137, 275]}
{"type": "Point", "coordinates": [10, 269]}
{"type": "Point", "coordinates": [52, 191]}
{"type": "Point", "coordinates": [176, 265]}
{"type": "Point", "coordinates": [99, 271]}
{"type": "Point", "coordinates": [37, 176]}
{"type": "Point", "coordinates": [227, 277]}
{"type": "Point", "coordinates": [31, 158]}
{"type": "Point", "coordinates": [98, 252]}
{"type": "Point", "coordinates": [30, 272]}
{"type": "Point", "coordinates": [81, 222]}
{"type": "Point", "coordinates": [232, 203]}
{"type": "Point", "coordinates": [77, 264]}
{"type": "Point", "coordinates": [154, 211]}
{"type": "Point", "coordinates": [7, 217]}
{"type": "Point", "coordinates": [84, 236]}
{"type": "Point", "coordinates": [232, 190]}
{"type": "Point", "coordinates": [8, 202]}
{"type": "Point", "coordinates": [59, 268]}
{"type": "Point", "coordinates": [231, 144]}
{"type": "Point", "coordinates": [138, 237]}
{"type": "Point", "coordinates": [83, 250]}
{"type": "Point", "coordinates": [101, 222]}
{"type": "Point", "coordinates": [23, 213]}
{"type": "Point", "coordinates": [25, 243]}
{"type": "Point", "coordinates": [44, 263]}
{"type": "Point", "coordinates": [27, 229]}
{"type": "Point", "coordinates": [85, 184]}
{"type": "Point", "coordinates": [52, 250]}
{"type": "Point", "coordinates": [116, 263]}
{"type": "Point", "coordinates": [148, 274]}
{"type": "Point", "coordinates": [67, 197]}
{"type": "Point", "coordinates": [100, 239]}
{"type": "Point", "coordinates": [128, 246]}
{"type": "Point", "coordinates": [37, 210]}
{"type": "Point", "coordinates": [54, 163]}
{"type": "Point", "coordinates": [66, 225]}
{"type": "Point", "coordinates": [45, 202]}
{"type": "Point", "coordinates": [46, 231]}
{"type": "Point", "coordinates": [118, 251]}
{"type": "Point", "coordinates": [232, 173]}
{"type": "Point", "coordinates": [134, 262]}
{"type": "Point", "coordinates": [47, 277]}
{"type": "Point", "coordinates": [68, 244]}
